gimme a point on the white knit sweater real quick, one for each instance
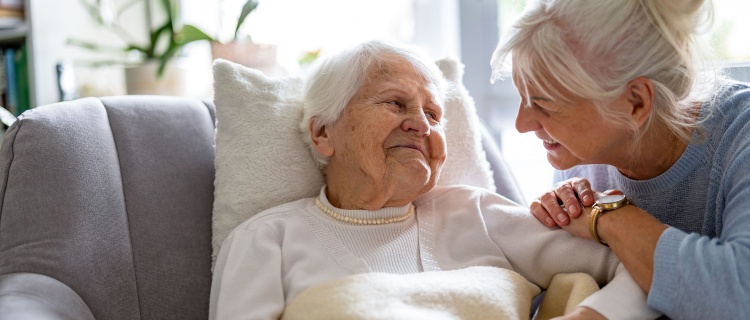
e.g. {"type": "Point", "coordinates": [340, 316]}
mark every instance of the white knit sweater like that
{"type": "Point", "coordinates": [271, 258]}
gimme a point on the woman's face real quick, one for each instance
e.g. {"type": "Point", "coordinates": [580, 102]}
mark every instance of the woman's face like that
{"type": "Point", "coordinates": [573, 133]}
{"type": "Point", "coordinates": [388, 142]}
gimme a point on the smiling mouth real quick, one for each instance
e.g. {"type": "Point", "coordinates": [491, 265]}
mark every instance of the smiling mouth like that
{"type": "Point", "coordinates": [410, 146]}
{"type": "Point", "coordinates": [550, 144]}
{"type": "Point", "coordinates": [413, 147]}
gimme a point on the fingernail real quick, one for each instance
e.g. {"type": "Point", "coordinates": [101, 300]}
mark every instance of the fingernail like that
{"type": "Point", "coordinates": [549, 221]}
{"type": "Point", "coordinates": [586, 198]}
{"type": "Point", "coordinates": [561, 217]}
{"type": "Point", "coordinates": [572, 209]}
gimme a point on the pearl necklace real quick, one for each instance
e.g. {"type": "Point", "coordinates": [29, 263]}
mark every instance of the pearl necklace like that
{"type": "Point", "coordinates": [346, 219]}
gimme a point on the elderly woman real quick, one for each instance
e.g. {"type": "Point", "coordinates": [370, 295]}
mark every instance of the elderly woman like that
{"type": "Point", "coordinates": [375, 119]}
{"type": "Point", "coordinates": [615, 91]}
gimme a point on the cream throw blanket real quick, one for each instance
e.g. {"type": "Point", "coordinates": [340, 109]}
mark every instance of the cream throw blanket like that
{"type": "Point", "coordinates": [471, 293]}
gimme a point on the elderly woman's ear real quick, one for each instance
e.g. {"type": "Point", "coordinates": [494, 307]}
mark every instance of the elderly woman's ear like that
{"type": "Point", "coordinates": [321, 140]}
{"type": "Point", "coordinates": [640, 96]}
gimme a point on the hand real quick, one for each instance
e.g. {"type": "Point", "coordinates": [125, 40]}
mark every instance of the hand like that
{"type": "Point", "coordinates": [579, 227]}
{"type": "Point", "coordinates": [582, 313]}
{"type": "Point", "coordinates": [564, 202]}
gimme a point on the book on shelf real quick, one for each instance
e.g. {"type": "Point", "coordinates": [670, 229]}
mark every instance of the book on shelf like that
{"type": "Point", "coordinates": [14, 69]}
{"type": "Point", "coordinates": [10, 92]}
{"type": "Point", "coordinates": [22, 80]}
{"type": "Point", "coordinates": [16, 93]}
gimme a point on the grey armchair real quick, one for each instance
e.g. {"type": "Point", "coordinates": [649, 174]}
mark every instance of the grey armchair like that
{"type": "Point", "coordinates": [105, 209]}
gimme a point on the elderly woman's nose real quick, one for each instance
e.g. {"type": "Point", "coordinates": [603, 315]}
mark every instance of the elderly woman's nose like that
{"type": "Point", "coordinates": [416, 122]}
{"type": "Point", "coordinates": [525, 121]}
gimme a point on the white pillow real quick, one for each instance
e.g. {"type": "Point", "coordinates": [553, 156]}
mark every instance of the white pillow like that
{"type": "Point", "coordinates": [466, 163]}
{"type": "Point", "coordinates": [262, 160]}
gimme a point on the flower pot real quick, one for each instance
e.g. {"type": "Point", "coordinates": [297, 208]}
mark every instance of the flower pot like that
{"type": "Point", "coordinates": [249, 54]}
{"type": "Point", "coordinates": [141, 79]}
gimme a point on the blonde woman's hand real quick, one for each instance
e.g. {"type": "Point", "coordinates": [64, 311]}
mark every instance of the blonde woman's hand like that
{"type": "Point", "coordinates": [579, 226]}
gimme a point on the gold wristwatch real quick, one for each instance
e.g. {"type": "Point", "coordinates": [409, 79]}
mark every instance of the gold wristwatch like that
{"type": "Point", "coordinates": [604, 204]}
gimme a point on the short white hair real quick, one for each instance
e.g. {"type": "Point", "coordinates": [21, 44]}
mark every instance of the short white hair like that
{"type": "Point", "coordinates": [335, 79]}
{"type": "Point", "coordinates": [592, 49]}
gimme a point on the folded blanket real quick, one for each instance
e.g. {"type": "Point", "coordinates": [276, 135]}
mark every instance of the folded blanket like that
{"type": "Point", "coordinates": [565, 292]}
{"type": "Point", "coordinates": [471, 293]}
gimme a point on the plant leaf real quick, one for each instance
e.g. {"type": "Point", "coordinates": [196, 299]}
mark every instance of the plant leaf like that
{"type": "Point", "coordinates": [164, 29]}
{"type": "Point", "coordinates": [172, 9]}
{"type": "Point", "coordinates": [164, 59]}
{"type": "Point", "coordinates": [249, 6]}
{"type": "Point", "coordinates": [97, 47]}
{"type": "Point", "coordinates": [190, 33]}
{"type": "Point", "coordinates": [137, 48]}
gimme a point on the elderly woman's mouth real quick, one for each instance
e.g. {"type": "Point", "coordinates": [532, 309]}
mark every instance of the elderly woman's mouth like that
{"type": "Point", "coordinates": [410, 146]}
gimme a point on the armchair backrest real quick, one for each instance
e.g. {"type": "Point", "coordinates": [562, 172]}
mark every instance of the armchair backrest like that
{"type": "Point", "coordinates": [113, 198]}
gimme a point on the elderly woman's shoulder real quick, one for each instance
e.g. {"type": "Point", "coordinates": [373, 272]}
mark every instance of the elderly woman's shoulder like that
{"type": "Point", "coordinates": [465, 193]}
{"type": "Point", "coordinates": [284, 213]}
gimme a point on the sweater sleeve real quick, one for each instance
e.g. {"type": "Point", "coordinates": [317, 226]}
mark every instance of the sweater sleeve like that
{"type": "Point", "coordinates": [538, 253]}
{"type": "Point", "coordinates": [621, 298]}
{"type": "Point", "coordinates": [699, 277]}
{"type": "Point", "coordinates": [247, 278]}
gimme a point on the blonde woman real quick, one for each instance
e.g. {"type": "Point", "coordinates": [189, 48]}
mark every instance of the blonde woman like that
{"type": "Point", "coordinates": [616, 92]}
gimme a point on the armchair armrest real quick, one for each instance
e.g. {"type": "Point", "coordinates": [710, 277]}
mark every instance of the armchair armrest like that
{"type": "Point", "coordinates": [35, 296]}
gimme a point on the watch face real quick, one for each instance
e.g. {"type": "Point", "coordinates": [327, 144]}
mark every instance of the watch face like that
{"type": "Point", "coordinates": [611, 199]}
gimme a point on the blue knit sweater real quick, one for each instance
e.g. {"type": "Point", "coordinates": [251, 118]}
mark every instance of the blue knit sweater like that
{"type": "Point", "coordinates": [702, 262]}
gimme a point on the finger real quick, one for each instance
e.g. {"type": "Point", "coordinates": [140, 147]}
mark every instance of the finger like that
{"type": "Point", "coordinates": [541, 214]}
{"type": "Point", "coordinates": [583, 189]}
{"type": "Point", "coordinates": [550, 202]}
{"type": "Point", "coordinates": [569, 199]}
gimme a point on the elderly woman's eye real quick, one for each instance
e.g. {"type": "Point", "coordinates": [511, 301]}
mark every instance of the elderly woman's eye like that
{"type": "Point", "coordinates": [396, 103]}
{"type": "Point", "coordinates": [431, 115]}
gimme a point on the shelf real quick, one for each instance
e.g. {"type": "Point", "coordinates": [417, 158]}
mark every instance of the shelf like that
{"type": "Point", "coordinates": [13, 36]}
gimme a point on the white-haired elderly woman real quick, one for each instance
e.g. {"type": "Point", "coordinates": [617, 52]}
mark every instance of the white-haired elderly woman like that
{"type": "Point", "coordinates": [374, 115]}
{"type": "Point", "coordinates": [616, 91]}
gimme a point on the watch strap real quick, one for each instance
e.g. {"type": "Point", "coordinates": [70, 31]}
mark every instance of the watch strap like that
{"type": "Point", "coordinates": [596, 211]}
{"type": "Point", "coordinates": [600, 209]}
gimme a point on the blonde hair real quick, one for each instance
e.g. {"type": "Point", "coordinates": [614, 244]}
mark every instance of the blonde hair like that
{"type": "Point", "coordinates": [336, 78]}
{"type": "Point", "coordinates": [591, 50]}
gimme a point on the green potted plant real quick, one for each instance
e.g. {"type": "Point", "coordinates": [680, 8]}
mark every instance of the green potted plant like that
{"type": "Point", "coordinates": [243, 50]}
{"type": "Point", "coordinates": [158, 50]}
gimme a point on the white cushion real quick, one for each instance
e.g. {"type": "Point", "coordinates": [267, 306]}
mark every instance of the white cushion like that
{"type": "Point", "coordinates": [262, 160]}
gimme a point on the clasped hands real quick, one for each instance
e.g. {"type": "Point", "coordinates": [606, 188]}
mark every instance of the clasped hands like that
{"type": "Point", "coordinates": [564, 205]}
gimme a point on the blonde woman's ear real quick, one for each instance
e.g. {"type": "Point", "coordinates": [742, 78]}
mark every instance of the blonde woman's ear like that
{"type": "Point", "coordinates": [640, 95]}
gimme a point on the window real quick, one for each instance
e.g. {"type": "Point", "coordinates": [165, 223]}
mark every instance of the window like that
{"type": "Point", "coordinates": [729, 31]}
{"type": "Point", "coordinates": [298, 26]}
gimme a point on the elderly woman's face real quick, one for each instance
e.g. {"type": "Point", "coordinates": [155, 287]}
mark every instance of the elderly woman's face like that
{"type": "Point", "coordinates": [389, 138]}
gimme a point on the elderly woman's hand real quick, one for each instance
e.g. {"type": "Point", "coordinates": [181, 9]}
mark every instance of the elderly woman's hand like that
{"type": "Point", "coordinates": [558, 206]}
